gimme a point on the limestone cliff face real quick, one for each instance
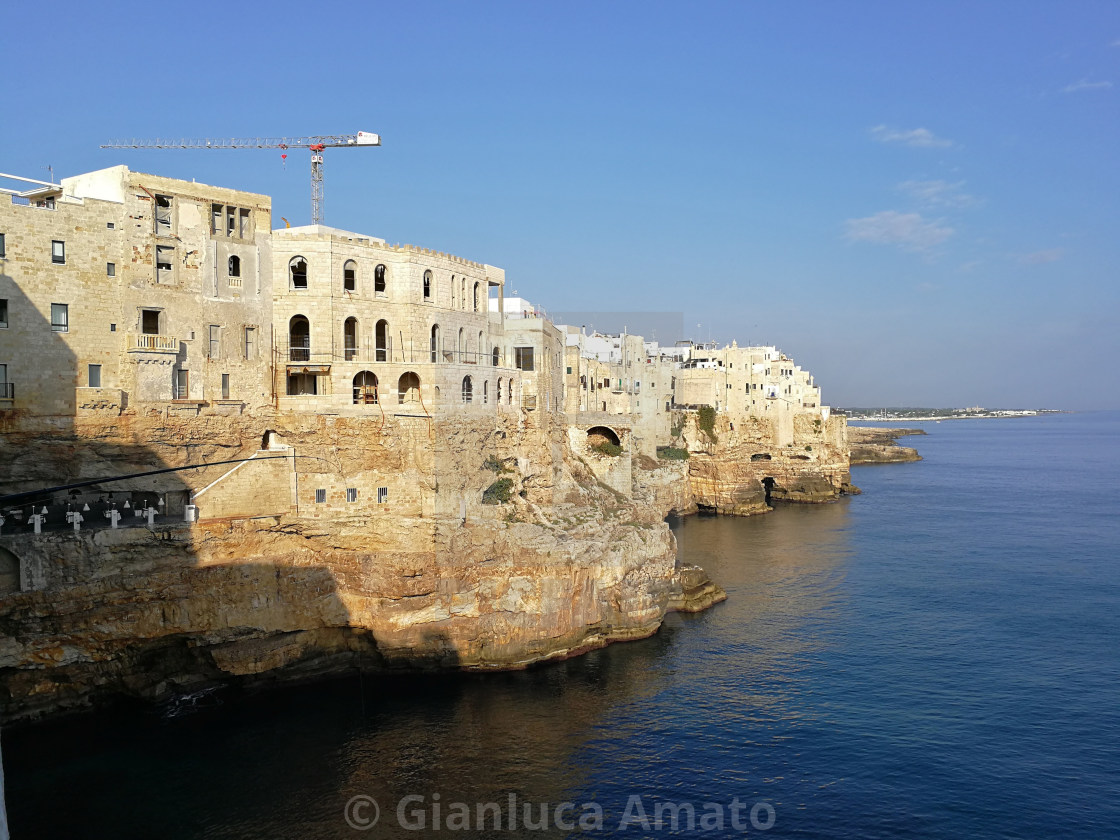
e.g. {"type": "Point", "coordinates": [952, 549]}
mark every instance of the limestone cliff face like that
{"type": "Point", "coordinates": [876, 445]}
{"type": "Point", "coordinates": [744, 463]}
{"type": "Point", "coordinates": [432, 578]}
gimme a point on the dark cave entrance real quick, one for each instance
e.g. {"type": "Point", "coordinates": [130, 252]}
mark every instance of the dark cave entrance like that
{"type": "Point", "coordinates": [768, 486]}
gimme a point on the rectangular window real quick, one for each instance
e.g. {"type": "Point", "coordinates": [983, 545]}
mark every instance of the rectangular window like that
{"type": "Point", "coordinates": [60, 317]}
{"type": "Point", "coordinates": [243, 224]}
{"type": "Point", "coordinates": [110, 226]}
{"type": "Point", "coordinates": [3, 313]}
{"type": "Point", "coordinates": [163, 215]}
{"type": "Point", "coordinates": [382, 495]}
{"type": "Point", "coordinates": [149, 321]}
{"type": "Point", "coordinates": [231, 221]}
{"type": "Point", "coordinates": [95, 376]}
{"type": "Point", "coordinates": [165, 259]}
{"type": "Point", "coordinates": [3, 253]}
{"type": "Point", "coordinates": [7, 390]}
{"type": "Point", "coordinates": [320, 496]}
{"type": "Point", "coordinates": [351, 494]}
{"type": "Point", "coordinates": [58, 252]}
{"type": "Point", "coordinates": [182, 384]}
{"type": "Point", "coordinates": [523, 358]}
{"type": "Point", "coordinates": [216, 211]}
{"type": "Point", "coordinates": [225, 386]}
{"type": "Point", "coordinates": [250, 342]}
{"type": "Point", "coordinates": [569, 370]}
{"type": "Point", "coordinates": [215, 341]}
{"type": "Point", "coordinates": [110, 269]}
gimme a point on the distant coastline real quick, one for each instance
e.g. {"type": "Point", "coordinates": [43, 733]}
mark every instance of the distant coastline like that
{"type": "Point", "coordinates": [938, 414]}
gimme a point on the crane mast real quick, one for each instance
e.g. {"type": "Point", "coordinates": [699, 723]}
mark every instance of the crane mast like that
{"type": "Point", "coordinates": [316, 144]}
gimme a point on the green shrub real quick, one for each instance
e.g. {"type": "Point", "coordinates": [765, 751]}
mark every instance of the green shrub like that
{"type": "Point", "coordinates": [608, 448]}
{"type": "Point", "coordinates": [706, 422]}
{"type": "Point", "coordinates": [495, 464]}
{"type": "Point", "coordinates": [672, 453]}
{"type": "Point", "coordinates": [808, 448]}
{"type": "Point", "coordinates": [675, 431]}
{"type": "Point", "coordinates": [498, 493]}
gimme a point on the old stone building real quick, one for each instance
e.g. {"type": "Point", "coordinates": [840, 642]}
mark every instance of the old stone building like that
{"type": "Point", "coordinates": [366, 326]}
{"type": "Point", "coordinates": [119, 288]}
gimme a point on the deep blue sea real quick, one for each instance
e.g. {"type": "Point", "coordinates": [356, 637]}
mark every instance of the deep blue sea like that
{"type": "Point", "coordinates": [937, 658]}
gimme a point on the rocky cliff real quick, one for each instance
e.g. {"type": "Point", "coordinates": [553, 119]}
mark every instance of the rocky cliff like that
{"type": "Point", "coordinates": [435, 579]}
{"type": "Point", "coordinates": [873, 445]}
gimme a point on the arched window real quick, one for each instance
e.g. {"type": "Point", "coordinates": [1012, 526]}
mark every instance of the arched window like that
{"type": "Point", "coordinates": [485, 392]}
{"type": "Point", "coordinates": [365, 388]}
{"type": "Point", "coordinates": [349, 275]}
{"type": "Point", "coordinates": [381, 341]}
{"type": "Point", "coordinates": [499, 392]}
{"type": "Point", "coordinates": [408, 388]}
{"type": "Point", "coordinates": [350, 338]}
{"type": "Point", "coordinates": [509, 395]}
{"type": "Point", "coordinates": [476, 297]}
{"type": "Point", "coordinates": [495, 357]}
{"type": "Point", "coordinates": [297, 272]}
{"type": "Point", "coordinates": [461, 359]}
{"type": "Point", "coordinates": [379, 280]}
{"type": "Point", "coordinates": [452, 291]}
{"type": "Point", "coordinates": [299, 339]}
{"type": "Point", "coordinates": [427, 285]}
{"type": "Point", "coordinates": [468, 389]}
{"type": "Point", "coordinates": [481, 352]}
{"type": "Point", "coordinates": [463, 292]}
{"type": "Point", "coordinates": [9, 572]}
{"type": "Point", "coordinates": [235, 266]}
{"type": "Point", "coordinates": [435, 343]}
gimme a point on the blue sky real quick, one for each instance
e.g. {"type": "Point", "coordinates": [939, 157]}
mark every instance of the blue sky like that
{"type": "Point", "coordinates": [918, 202]}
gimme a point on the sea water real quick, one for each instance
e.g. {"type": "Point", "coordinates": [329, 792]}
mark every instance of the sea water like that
{"type": "Point", "coordinates": [937, 658]}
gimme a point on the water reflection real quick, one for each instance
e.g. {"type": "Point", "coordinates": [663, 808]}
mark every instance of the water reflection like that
{"type": "Point", "coordinates": [704, 706]}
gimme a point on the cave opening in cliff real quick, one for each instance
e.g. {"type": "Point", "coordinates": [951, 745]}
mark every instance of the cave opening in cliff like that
{"type": "Point", "coordinates": [9, 572]}
{"type": "Point", "coordinates": [706, 510]}
{"type": "Point", "coordinates": [768, 486]}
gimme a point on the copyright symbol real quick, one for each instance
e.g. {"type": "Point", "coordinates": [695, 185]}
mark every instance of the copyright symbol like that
{"type": "Point", "coordinates": [361, 812]}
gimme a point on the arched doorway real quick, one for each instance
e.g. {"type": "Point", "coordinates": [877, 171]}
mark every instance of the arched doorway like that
{"type": "Point", "coordinates": [602, 434]}
{"type": "Point", "coordinates": [435, 343]}
{"type": "Point", "coordinates": [350, 338]}
{"type": "Point", "coordinates": [381, 341]}
{"type": "Point", "coordinates": [468, 389]}
{"type": "Point", "coordinates": [365, 388]}
{"type": "Point", "coordinates": [495, 357]}
{"type": "Point", "coordinates": [408, 388]}
{"type": "Point", "coordinates": [299, 339]}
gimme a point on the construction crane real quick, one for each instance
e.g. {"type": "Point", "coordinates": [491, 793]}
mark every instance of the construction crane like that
{"type": "Point", "coordinates": [316, 144]}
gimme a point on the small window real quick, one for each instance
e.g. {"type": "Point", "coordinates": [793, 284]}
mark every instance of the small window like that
{"type": "Point", "coordinates": [3, 313]}
{"type": "Point", "coordinates": [165, 259]}
{"type": "Point", "coordinates": [110, 226]}
{"type": "Point", "coordinates": [215, 341]}
{"type": "Point", "coordinates": [110, 269]}
{"type": "Point", "coordinates": [216, 211]}
{"type": "Point", "coordinates": [523, 358]}
{"type": "Point", "coordinates": [182, 384]}
{"type": "Point", "coordinates": [382, 495]}
{"type": "Point", "coordinates": [235, 266]}
{"type": "Point", "coordinates": [112, 328]}
{"type": "Point", "coordinates": [250, 343]}
{"type": "Point", "coordinates": [163, 215]}
{"type": "Point", "coordinates": [427, 285]}
{"type": "Point", "coordinates": [297, 272]}
{"type": "Point", "coordinates": [58, 252]}
{"type": "Point", "coordinates": [379, 280]}
{"type": "Point", "coordinates": [476, 297]}
{"type": "Point", "coordinates": [95, 376]}
{"type": "Point", "coordinates": [320, 496]}
{"type": "Point", "coordinates": [351, 494]}
{"type": "Point", "coordinates": [225, 386]}
{"type": "Point", "coordinates": [569, 370]}
{"type": "Point", "coordinates": [3, 253]}
{"type": "Point", "coordinates": [231, 221]}
{"type": "Point", "coordinates": [243, 224]}
{"type": "Point", "coordinates": [60, 317]}
{"type": "Point", "coordinates": [349, 276]}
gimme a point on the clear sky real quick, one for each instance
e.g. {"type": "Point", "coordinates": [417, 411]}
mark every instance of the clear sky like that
{"type": "Point", "coordinates": [919, 202]}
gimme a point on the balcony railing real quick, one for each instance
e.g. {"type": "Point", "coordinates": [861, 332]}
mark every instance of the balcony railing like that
{"type": "Point", "coordinates": [304, 353]}
{"type": "Point", "coordinates": [150, 343]}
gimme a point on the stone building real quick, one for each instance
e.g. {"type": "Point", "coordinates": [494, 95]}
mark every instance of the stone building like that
{"type": "Point", "coordinates": [364, 327]}
{"type": "Point", "coordinates": [537, 351]}
{"type": "Point", "coordinates": [120, 288]}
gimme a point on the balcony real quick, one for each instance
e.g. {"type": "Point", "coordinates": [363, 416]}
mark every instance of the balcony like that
{"type": "Point", "coordinates": [151, 343]}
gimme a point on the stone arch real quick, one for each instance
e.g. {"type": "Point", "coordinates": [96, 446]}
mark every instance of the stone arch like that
{"type": "Point", "coordinates": [9, 572]}
{"type": "Point", "coordinates": [365, 388]}
{"type": "Point", "coordinates": [299, 339]}
{"type": "Point", "coordinates": [602, 434]}
{"type": "Point", "coordinates": [408, 388]}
